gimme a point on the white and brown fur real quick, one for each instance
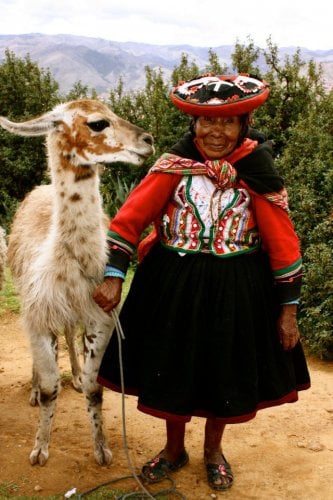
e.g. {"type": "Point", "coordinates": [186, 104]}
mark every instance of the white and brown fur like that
{"type": "Point", "coordinates": [57, 252]}
{"type": "Point", "coordinates": [3, 254]}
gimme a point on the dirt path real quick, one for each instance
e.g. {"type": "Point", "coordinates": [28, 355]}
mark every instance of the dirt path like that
{"type": "Point", "coordinates": [285, 453]}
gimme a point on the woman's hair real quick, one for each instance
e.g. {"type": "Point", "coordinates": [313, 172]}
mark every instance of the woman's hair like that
{"type": "Point", "coordinates": [244, 122]}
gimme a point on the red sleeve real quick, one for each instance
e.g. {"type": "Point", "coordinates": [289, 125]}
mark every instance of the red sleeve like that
{"type": "Point", "coordinates": [281, 243]}
{"type": "Point", "coordinates": [143, 206]}
{"type": "Point", "coordinates": [279, 239]}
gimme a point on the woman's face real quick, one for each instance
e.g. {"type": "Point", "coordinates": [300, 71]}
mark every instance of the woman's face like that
{"type": "Point", "coordinates": [217, 136]}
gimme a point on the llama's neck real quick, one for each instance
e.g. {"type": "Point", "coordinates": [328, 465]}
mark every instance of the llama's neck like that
{"type": "Point", "coordinates": [77, 199]}
{"type": "Point", "coordinates": [78, 225]}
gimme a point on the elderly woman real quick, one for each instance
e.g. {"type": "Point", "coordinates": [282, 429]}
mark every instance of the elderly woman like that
{"type": "Point", "coordinates": [210, 318]}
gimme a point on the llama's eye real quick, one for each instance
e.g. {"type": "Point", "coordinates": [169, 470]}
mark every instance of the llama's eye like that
{"type": "Point", "coordinates": [99, 125]}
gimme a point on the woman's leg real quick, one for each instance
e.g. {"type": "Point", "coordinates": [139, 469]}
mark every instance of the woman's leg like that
{"type": "Point", "coordinates": [218, 469]}
{"type": "Point", "coordinates": [213, 440]}
{"type": "Point", "coordinates": [175, 440]}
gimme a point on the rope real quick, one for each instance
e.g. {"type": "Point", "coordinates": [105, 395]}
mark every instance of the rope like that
{"type": "Point", "coordinates": [146, 494]}
{"type": "Point", "coordinates": [121, 337]}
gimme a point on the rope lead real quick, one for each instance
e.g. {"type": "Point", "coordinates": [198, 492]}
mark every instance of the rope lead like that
{"type": "Point", "coordinates": [146, 493]}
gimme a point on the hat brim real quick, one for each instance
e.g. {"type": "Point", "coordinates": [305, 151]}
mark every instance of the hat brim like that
{"type": "Point", "coordinates": [231, 107]}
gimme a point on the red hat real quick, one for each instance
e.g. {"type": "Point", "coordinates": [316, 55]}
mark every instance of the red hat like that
{"type": "Point", "coordinates": [221, 95]}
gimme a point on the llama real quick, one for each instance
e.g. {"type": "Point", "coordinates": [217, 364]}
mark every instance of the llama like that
{"type": "Point", "coordinates": [3, 253]}
{"type": "Point", "coordinates": [57, 251]}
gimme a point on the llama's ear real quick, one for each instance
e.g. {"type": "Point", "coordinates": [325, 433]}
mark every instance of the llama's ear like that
{"type": "Point", "coordinates": [37, 126]}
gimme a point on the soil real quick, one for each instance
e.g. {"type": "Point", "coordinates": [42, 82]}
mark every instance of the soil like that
{"type": "Point", "coordinates": [284, 453]}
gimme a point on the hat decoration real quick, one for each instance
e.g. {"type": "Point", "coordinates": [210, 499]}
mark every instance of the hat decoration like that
{"type": "Point", "coordinates": [221, 95]}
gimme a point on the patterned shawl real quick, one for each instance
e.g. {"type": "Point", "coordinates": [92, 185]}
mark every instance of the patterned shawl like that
{"type": "Point", "coordinates": [251, 163]}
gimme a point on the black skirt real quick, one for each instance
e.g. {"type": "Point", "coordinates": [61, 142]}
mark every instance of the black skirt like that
{"type": "Point", "coordinates": [201, 339]}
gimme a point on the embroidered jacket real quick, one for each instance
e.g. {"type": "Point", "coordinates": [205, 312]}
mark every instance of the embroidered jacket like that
{"type": "Point", "coordinates": [207, 207]}
{"type": "Point", "coordinates": [203, 218]}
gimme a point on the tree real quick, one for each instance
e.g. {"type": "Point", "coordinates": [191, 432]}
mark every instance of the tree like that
{"type": "Point", "coordinates": [306, 164]}
{"type": "Point", "coordinates": [244, 57]}
{"type": "Point", "coordinates": [295, 87]}
{"type": "Point", "coordinates": [80, 91]}
{"type": "Point", "coordinates": [25, 91]}
{"type": "Point", "coordinates": [214, 66]}
{"type": "Point", "coordinates": [184, 71]}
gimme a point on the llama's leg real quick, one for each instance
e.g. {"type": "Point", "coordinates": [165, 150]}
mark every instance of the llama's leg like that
{"type": "Point", "coordinates": [44, 352]}
{"type": "Point", "coordinates": [95, 342]}
{"type": "Point", "coordinates": [74, 356]}
{"type": "Point", "coordinates": [70, 335]}
{"type": "Point", "coordinates": [33, 400]}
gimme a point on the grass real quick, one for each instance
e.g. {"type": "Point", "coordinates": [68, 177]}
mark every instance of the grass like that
{"type": "Point", "coordinates": [7, 489]}
{"type": "Point", "coordinates": [104, 492]}
{"type": "Point", "coordinates": [9, 300]}
{"type": "Point", "coordinates": [10, 496]}
{"type": "Point", "coordinates": [10, 489]}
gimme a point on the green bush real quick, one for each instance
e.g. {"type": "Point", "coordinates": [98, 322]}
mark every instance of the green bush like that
{"type": "Point", "coordinates": [316, 320]}
{"type": "Point", "coordinates": [306, 164]}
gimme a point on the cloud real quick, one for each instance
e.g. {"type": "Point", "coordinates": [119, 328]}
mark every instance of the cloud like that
{"type": "Point", "coordinates": [194, 22]}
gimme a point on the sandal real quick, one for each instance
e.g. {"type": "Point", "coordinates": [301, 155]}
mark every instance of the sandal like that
{"type": "Point", "coordinates": [220, 472]}
{"type": "Point", "coordinates": [158, 468]}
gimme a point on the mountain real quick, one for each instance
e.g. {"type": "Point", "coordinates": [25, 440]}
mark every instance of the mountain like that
{"type": "Point", "coordinates": [99, 63]}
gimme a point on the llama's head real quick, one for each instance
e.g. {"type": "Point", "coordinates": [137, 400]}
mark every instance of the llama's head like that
{"type": "Point", "coordinates": [86, 132]}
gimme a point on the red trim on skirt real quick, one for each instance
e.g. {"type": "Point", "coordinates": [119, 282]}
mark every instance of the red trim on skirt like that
{"type": "Point", "coordinates": [291, 397]}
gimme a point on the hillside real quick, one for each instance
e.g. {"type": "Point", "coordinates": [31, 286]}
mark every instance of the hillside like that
{"type": "Point", "coordinates": [99, 63]}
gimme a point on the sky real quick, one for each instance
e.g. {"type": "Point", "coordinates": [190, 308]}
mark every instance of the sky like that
{"type": "Point", "coordinates": [202, 23]}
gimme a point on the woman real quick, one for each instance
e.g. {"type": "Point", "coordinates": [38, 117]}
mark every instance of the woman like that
{"type": "Point", "coordinates": [210, 319]}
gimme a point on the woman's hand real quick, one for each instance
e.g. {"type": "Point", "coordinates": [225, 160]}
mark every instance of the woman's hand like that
{"type": "Point", "coordinates": [108, 294]}
{"type": "Point", "coordinates": [287, 326]}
